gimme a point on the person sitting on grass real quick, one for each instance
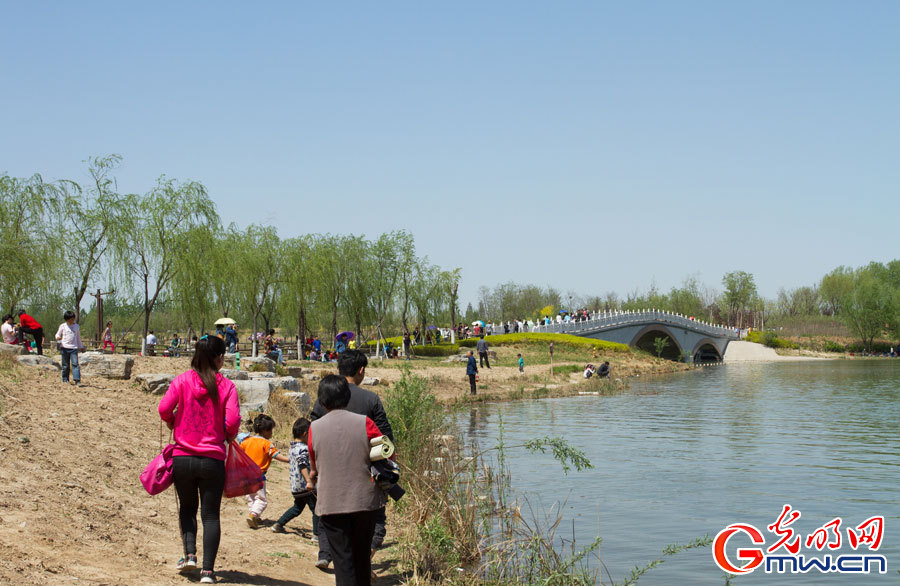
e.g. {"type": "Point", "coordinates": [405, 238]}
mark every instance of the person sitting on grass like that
{"type": "Point", "coordinates": [299, 474]}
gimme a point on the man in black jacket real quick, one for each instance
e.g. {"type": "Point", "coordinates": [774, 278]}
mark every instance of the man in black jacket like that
{"type": "Point", "coordinates": [352, 366]}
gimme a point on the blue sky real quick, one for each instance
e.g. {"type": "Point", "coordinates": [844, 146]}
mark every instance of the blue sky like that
{"type": "Point", "coordinates": [590, 146]}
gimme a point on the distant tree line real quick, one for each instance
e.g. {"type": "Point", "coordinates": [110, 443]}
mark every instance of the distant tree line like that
{"type": "Point", "coordinates": [865, 299]}
{"type": "Point", "coordinates": [166, 250]}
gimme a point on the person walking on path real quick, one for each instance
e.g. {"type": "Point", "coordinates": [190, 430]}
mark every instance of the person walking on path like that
{"type": "Point", "coordinates": [482, 348]}
{"type": "Point", "coordinates": [29, 325]}
{"type": "Point", "coordinates": [407, 345]}
{"type": "Point", "coordinates": [348, 501]}
{"type": "Point", "coordinates": [201, 407]}
{"type": "Point", "coordinates": [231, 338]}
{"type": "Point", "coordinates": [472, 372]}
{"type": "Point", "coordinates": [352, 366]}
{"type": "Point", "coordinates": [69, 337]}
{"type": "Point", "coordinates": [107, 337]}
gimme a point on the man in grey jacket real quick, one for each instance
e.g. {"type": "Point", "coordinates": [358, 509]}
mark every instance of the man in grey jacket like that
{"type": "Point", "coordinates": [482, 348]}
{"type": "Point", "coordinates": [352, 366]}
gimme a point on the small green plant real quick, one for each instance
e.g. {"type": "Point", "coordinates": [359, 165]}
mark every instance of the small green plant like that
{"type": "Point", "coordinates": [659, 345]}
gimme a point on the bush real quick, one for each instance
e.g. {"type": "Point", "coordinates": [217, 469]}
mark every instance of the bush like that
{"type": "Point", "coordinates": [875, 347]}
{"type": "Point", "coordinates": [770, 338]}
{"type": "Point", "coordinates": [544, 339]}
{"type": "Point", "coordinates": [438, 350]}
{"type": "Point", "coordinates": [831, 346]}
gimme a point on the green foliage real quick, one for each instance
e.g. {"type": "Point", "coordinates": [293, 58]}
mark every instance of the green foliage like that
{"type": "Point", "coordinates": [563, 452]}
{"type": "Point", "coordinates": [659, 344]}
{"type": "Point", "coordinates": [832, 346]}
{"type": "Point", "coordinates": [436, 350]}
{"type": "Point", "coordinates": [415, 417]}
{"type": "Point", "coordinates": [558, 340]}
{"type": "Point", "coordinates": [770, 338]}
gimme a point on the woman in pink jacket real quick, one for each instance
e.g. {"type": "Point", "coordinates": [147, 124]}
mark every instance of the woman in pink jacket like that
{"type": "Point", "coordinates": [202, 408]}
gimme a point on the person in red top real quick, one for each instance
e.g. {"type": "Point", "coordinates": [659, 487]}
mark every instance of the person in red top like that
{"type": "Point", "coordinates": [29, 325]}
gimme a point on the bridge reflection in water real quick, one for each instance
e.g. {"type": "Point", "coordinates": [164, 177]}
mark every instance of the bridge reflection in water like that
{"type": "Point", "coordinates": [689, 339]}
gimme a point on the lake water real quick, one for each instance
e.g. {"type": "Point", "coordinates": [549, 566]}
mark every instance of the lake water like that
{"type": "Point", "coordinates": [680, 457]}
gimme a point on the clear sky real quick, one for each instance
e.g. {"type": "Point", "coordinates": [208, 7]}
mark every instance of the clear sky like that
{"type": "Point", "coordinates": [590, 146]}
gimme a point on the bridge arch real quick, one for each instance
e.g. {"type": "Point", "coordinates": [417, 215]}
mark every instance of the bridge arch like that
{"type": "Point", "coordinates": [643, 340]}
{"type": "Point", "coordinates": [706, 348]}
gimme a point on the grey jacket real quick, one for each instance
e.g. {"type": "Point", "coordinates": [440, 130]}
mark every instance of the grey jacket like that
{"type": "Point", "coordinates": [481, 346]}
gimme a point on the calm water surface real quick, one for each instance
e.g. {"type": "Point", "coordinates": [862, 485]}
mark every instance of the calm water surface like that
{"type": "Point", "coordinates": [680, 457]}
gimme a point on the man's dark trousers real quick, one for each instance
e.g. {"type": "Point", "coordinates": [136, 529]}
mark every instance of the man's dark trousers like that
{"type": "Point", "coordinates": [484, 359]}
{"type": "Point", "coordinates": [350, 536]}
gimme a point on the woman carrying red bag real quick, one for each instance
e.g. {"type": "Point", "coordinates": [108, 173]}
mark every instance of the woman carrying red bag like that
{"type": "Point", "coordinates": [201, 407]}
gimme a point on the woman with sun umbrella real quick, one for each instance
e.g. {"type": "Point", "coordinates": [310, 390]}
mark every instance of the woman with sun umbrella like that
{"type": "Point", "coordinates": [340, 341]}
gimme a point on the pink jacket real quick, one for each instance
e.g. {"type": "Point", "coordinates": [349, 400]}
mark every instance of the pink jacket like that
{"type": "Point", "coordinates": [200, 425]}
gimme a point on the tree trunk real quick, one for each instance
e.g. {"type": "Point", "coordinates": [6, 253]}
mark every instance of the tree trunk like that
{"type": "Point", "coordinates": [301, 332]}
{"type": "Point", "coordinates": [453, 309]}
{"type": "Point", "coordinates": [146, 316]}
{"type": "Point", "coordinates": [255, 341]}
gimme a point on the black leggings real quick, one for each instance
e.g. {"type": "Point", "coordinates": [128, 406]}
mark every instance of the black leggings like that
{"type": "Point", "coordinates": [203, 479]}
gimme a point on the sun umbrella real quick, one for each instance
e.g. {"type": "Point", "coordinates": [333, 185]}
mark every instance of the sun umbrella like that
{"type": "Point", "coordinates": [224, 321]}
{"type": "Point", "coordinates": [477, 322]}
{"type": "Point", "coordinates": [349, 336]}
{"type": "Point", "coordinates": [432, 327]}
{"type": "Point", "coordinates": [563, 311]}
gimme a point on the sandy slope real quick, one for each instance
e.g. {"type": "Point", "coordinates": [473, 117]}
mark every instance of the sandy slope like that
{"type": "Point", "coordinates": [72, 510]}
{"type": "Point", "coordinates": [753, 352]}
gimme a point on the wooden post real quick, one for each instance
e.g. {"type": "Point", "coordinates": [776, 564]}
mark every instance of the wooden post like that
{"type": "Point", "coordinates": [551, 359]}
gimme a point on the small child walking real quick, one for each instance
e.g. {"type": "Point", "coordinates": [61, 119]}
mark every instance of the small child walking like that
{"type": "Point", "coordinates": [299, 455]}
{"type": "Point", "coordinates": [69, 337]}
{"type": "Point", "coordinates": [521, 365]}
{"type": "Point", "coordinates": [261, 450]}
{"type": "Point", "coordinates": [107, 337]}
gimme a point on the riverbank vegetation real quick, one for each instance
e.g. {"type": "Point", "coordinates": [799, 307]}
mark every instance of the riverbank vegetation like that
{"type": "Point", "coordinates": [166, 262]}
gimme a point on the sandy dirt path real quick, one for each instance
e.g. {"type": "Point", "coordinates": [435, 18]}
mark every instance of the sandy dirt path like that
{"type": "Point", "coordinates": [72, 510]}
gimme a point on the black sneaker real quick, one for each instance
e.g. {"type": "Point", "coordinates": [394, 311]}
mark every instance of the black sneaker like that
{"type": "Point", "coordinates": [207, 577]}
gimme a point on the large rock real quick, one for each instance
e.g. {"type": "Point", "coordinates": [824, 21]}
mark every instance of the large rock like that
{"type": "Point", "coordinates": [300, 399]}
{"type": "Point", "coordinates": [39, 361]}
{"type": "Point", "coordinates": [248, 364]}
{"type": "Point", "coordinates": [155, 384]}
{"type": "Point", "coordinates": [116, 366]}
{"type": "Point", "coordinates": [229, 361]}
{"type": "Point", "coordinates": [296, 371]}
{"type": "Point", "coordinates": [12, 349]}
{"type": "Point", "coordinates": [266, 374]}
{"type": "Point", "coordinates": [371, 381]}
{"type": "Point", "coordinates": [287, 383]}
{"type": "Point", "coordinates": [254, 394]}
{"type": "Point", "coordinates": [313, 376]}
{"type": "Point", "coordinates": [232, 374]}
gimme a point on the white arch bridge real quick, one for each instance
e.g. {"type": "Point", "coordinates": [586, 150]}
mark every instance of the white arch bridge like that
{"type": "Point", "coordinates": [688, 338]}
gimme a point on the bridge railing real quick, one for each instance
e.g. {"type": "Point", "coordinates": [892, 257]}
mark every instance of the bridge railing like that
{"type": "Point", "coordinates": [614, 319]}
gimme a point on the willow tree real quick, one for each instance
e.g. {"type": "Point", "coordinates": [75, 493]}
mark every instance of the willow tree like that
{"type": "Point", "coordinates": [193, 286]}
{"type": "Point", "coordinates": [28, 248]}
{"type": "Point", "coordinates": [330, 272]}
{"type": "Point", "coordinates": [357, 300]}
{"type": "Point", "coordinates": [155, 231]}
{"type": "Point", "coordinates": [259, 271]}
{"type": "Point", "coordinates": [86, 219]}
{"type": "Point", "coordinates": [298, 291]}
{"type": "Point", "coordinates": [383, 273]}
